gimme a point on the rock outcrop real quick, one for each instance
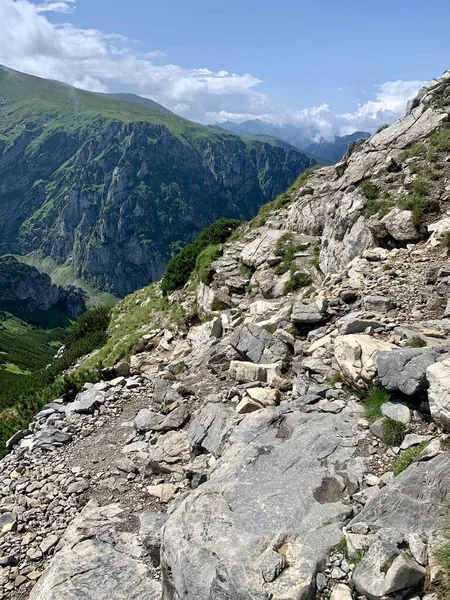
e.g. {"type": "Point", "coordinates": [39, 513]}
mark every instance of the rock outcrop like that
{"type": "Point", "coordinates": [23, 289]}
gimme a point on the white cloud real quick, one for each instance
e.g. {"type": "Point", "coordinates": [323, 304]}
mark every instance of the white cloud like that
{"type": "Point", "coordinates": [66, 6]}
{"type": "Point", "coordinates": [98, 61]}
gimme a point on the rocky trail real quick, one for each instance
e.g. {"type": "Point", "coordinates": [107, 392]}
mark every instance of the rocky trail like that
{"type": "Point", "coordinates": [290, 443]}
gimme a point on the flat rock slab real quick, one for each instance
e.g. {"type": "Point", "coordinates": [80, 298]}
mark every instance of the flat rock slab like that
{"type": "Point", "coordinates": [413, 501]}
{"type": "Point", "coordinates": [278, 492]}
{"type": "Point", "coordinates": [97, 562]}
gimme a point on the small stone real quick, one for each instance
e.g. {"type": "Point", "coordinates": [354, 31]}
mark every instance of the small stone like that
{"type": "Point", "coordinates": [341, 592]}
{"type": "Point", "coordinates": [321, 582]}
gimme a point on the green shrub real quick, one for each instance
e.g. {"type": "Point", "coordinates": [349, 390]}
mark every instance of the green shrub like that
{"type": "Point", "coordinates": [443, 556]}
{"type": "Point", "coordinates": [373, 400]}
{"type": "Point", "coordinates": [335, 377]}
{"type": "Point", "coordinates": [370, 191]}
{"type": "Point", "coordinates": [358, 558]}
{"type": "Point", "coordinates": [180, 267]}
{"type": "Point", "coordinates": [407, 457]}
{"type": "Point", "coordinates": [412, 152]}
{"type": "Point", "coordinates": [416, 342]}
{"type": "Point", "coordinates": [296, 281]}
{"type": "Point", "coordinates": [202, 271]}
{"type": "Point", "coordinates": [393, 432]}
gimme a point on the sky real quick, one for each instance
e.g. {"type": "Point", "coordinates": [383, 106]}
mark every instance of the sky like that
{"type": "Point", "coordinates": [338, 66]}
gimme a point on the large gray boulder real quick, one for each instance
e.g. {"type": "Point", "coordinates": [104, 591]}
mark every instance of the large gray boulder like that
{"type": "Point", "coordinates": [96, 562]}
{"type": "Point", "coordinates": [265, 521]}
{"type": "Point", "coordinates": [404, 369]}
{"type": "Point", "coordinates": [356, 355]}
{"type": "Point", "coordinates": [257, 345]}
{"type": "Point", "coordinates": [413, 501]}
{"type": "Point", "coordinates": [384, 571]}
{"type": "Point", "coordinates": [309, 314]}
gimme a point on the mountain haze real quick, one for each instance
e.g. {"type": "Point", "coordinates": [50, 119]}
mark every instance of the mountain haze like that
{"type": "Point", "coordinates": [307, 139]}
{"type": "Point", "coordinates": [114, 184]}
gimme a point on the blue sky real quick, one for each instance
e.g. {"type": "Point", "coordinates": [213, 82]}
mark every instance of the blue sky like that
{"type": "Point", "coordinates": [341, 65]}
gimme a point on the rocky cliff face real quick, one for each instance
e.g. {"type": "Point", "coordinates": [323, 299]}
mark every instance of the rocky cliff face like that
{"type": "Point", "coordinates": [286, 435]}
{"type": "Point", "coordinates": [116, 187]}
{"type": "Point", "coordinates": [23, 289]}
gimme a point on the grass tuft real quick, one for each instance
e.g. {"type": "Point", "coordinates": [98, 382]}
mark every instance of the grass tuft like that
{"type": "Point", "coordinates": [373, 401]}
{"type": "Point", "coordinates": [416, 342]}
{"type": "Point", "coordinates": [407, 457]}
{"type": "Point", "coordinates": [393, 432]}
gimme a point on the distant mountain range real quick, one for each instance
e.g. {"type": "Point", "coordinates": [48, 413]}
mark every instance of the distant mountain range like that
{"type": "Point", "coordinates": [112, 185]}
{"type": "Point", "coordinates": [304, 138]}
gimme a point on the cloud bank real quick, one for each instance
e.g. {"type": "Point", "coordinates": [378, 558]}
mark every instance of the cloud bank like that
{"type": "Point", "coordinates": [108, 62]}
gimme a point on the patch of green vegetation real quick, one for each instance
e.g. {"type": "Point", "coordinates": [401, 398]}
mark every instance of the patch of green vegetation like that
{"type": "Point", "coordinates": [439, 141]}
{"type": "Point", "coordinates": [418, 201]}
{"type": "Point", "coordinates": [393, 432]}
{"type": "Point", "coordinates": [416, 342]}
{"type": "Point", "coordinates": [131, 318]}
{"type": "Point", "coordinates": [379, 206]}
{"type": "Point", "coordinates": [341, 546]}
{"type": "Point", "coordinates": [282, 200]}
{"type": "Point", "coordinates": [407, 457]}
{"type": "Point", "coordinates": [412, 152]}
{"type": "Point", "coordinates": [287, 249]}
{"type": "Point", "coordinates": [218, 306]}
{"type": "Point", "coordinates": [296, 281]}
{"type": "Point", "coordinates": [246, 271]}
{"type": "Point", "coordinates": [373, 401]}
{"type": "Point", "coordinates": [441, 96]}
{"type": "Point", "coordinates": [202, 271]}
{"type": "Point", "coordinates": [30, 392]}
{"type": "Point", "coordinates": [369, 189]}
{"type": "Point", "coordinates": [180, 267]}
{"type": "Point", "coordinates": [358, 558]}
{"type": "Point", "coordinates": [180, 368]}
{"type": "Point", "coordinates": [382, 128]}
{"type": "Point", "coordinates": [335, 377]}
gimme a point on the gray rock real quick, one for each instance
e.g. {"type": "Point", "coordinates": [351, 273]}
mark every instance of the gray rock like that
{"type": "Point", "coordinates": [413, 439]}
{"type": "Point", "coordinates": [384, 570]}
{"type": "Point", "coordinates": [412, 502]}
{"type": "Point", "coordinates": [417, 548]}
{"type": "Point", "coordinates": [341, 592]}
{"type": "Point", "coordinates": [349, 326]}
{"type": "Point", "coordinates": [164, 395]}
{"type": "Point", "coordinates": [309, 314]}
{"type": "Point", "coordinates": [210, 427]}
{"type": "Point", "coordinates": [86, 402]}
{"type": "Point", "coordinates": [357, 543]}
{"type": "Point", "coordinates": [147, 420]}
{"type": "Point", "coordinates": [404, 369]}
{"type": "Point", "coordinates": [246, 371]}
{"type": "Point", "coordinates": [257, 345]}
{"type": "Point", "coordinates": [51, 437]}
{"type": "Point", "coordinates": [16, 437]}
{"type": "Point", "coordinates": [396, 411]}
{"type": "Point", "coordinates": [400, 225]}
{"type": "Point", "coordinates": [151, 524]}
{"type": "Point", "coordinates": [380, 304]}
{"type": "Point", "coordinates": [97, 562]}
{"type": "Point", "coordinates": [222, 541]}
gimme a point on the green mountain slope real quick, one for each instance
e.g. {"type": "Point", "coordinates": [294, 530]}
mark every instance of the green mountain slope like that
{"type": "Point", "coordinates": [113, 185]}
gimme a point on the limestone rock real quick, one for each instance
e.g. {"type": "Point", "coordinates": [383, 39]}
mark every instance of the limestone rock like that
{"type": "Point", "coordinates": [309, 314]}
{"type": "Point", "coordinates": [210, 427]}
{"type": "Point", "coordinates": [357, 357]}
{"type": "Point", "coordinates": [438, 376]}
{"type": "Point", "coordinates": [257, 345]}
{"type": "Point", "coordinates": [400, 225]}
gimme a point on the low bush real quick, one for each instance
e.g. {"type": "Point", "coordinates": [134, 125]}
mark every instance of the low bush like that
{"type": "Point", "coordinates": [370, 191]}
{"type": "Point", "coordinates": [379, 206]}
{"type": "Point", "coordinates": [181, 266]}
{"type": "Point", "coordinates": [202, 271]}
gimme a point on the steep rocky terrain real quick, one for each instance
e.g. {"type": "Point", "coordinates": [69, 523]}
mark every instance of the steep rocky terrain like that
{"type": "Point", "coordinates": [23, 289]}
{"type": "Point", "coordinates": [280, 430]}
{"type": "Point", "coordinates": [115, 185]}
